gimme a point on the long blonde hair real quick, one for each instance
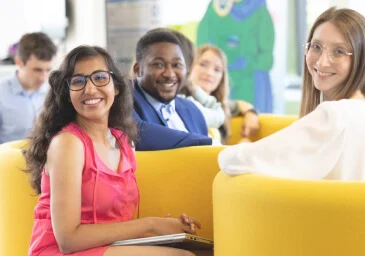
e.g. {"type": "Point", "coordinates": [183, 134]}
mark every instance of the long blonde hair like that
{"type": "Point", "coordinates": [221, 93]}
{"type": "Point", "coordinates": [352, 26]}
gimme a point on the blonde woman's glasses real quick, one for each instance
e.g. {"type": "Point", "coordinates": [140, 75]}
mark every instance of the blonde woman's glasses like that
{"type": "Point", "coordinates": [336, 55]}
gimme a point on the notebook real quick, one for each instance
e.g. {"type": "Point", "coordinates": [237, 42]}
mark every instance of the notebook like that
{"type": "Point", "coordinates": [183, 241]}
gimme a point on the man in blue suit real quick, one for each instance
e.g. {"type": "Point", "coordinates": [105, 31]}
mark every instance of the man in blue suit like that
{"type": "Point", "coordinates": [160, 69]}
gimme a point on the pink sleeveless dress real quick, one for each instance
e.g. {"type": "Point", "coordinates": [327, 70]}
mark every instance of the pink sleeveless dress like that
{"type": "Point", "coordinates": [107, 196]}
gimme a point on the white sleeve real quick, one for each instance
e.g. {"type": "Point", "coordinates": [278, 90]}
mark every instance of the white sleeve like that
{"type": "Point", "coordinates": [214, 117]}
{"type": "Point", "coordinates": [307, 149]}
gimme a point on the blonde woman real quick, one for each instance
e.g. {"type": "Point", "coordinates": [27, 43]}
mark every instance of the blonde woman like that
{"type": "Point", "coordinates": [328, 141]}
{"type": "Point", "coordinates": [209, 72]}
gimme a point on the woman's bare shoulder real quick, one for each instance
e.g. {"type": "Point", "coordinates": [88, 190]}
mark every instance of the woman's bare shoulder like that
{"type": "Point", "coordinates": [65, 143]}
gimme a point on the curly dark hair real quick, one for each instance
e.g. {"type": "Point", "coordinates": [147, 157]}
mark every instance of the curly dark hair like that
{"type": "Point", "coordinates": [58, 110]}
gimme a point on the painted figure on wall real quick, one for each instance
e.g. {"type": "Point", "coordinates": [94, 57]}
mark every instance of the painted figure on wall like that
{"type": "Point", "coordinates": [245, 31]}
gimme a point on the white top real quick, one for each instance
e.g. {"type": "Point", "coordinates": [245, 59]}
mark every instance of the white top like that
{"type": "Point", "coordinates": [209, 106]}
{"type": "Point", "coordinates": [328, 143]}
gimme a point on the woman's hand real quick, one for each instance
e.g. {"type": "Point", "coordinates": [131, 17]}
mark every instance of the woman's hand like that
{"type": "Point", "coordinates": [191, 86]}
{"type": "Point", "coordinates": [169, 225]}
{"type": "Point", "coordinates": [251, 120]}
{"type": "Point", "coordinates": [190, 221]}
{"type": "Point", "coordinates": [250, 124]}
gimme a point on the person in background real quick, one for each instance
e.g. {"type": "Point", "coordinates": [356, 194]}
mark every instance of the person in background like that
{"type": "Point", "coordinates": [211, 109]}
{"type": "Point", "coordinates": [150, 134]}
{"type": "Point", "coordinates": [209, 72]}
{"type": "Point", "coordinates": [327, 142]}
{"type": "Point", "coordinates": [22, 96]}
{"type": "Point", "coordinates": [9, 60]}
{"type": "Point", "coordinates": [81, 162]}
{"type": "Point", "coordinates": [160, 70]}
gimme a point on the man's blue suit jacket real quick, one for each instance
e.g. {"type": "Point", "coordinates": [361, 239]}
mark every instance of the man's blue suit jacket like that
{"type": "Point", "coordinates": [154, 133]}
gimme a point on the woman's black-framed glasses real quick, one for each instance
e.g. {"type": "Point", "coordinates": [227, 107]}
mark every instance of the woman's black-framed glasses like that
{"type": "Point", "coordinates": [99, 78]}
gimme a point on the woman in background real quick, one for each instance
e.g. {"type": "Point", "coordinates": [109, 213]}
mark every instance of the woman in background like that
{"type": "Point", "coordinates": [209, 72]}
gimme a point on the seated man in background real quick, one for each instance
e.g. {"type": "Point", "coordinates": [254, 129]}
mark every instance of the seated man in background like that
{"type": "Point", "coordinates": [22, 96]}
{"type": "Point", "coordinates": [160, 69]}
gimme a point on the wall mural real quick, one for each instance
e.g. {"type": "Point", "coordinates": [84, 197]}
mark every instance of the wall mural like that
{"type": "Point", "coordinates": [244, 30]}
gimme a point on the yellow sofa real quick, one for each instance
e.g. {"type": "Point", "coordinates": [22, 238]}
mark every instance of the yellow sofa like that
{"type": "Point", "coordinates": [170, 181]}
{"type": "Point", "coordinates": [264, 216]}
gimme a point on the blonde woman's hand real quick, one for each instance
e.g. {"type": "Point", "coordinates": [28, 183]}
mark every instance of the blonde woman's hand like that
{"type": "Point", "coordinates": [244, 140]}
{"type": "Point", "coordinates": [250, 124]}
{"type": "Point", "coordinates": [191, 86]}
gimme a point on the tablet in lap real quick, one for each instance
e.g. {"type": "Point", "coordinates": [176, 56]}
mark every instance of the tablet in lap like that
{"type": "Point", "coordinates": [183, 240]}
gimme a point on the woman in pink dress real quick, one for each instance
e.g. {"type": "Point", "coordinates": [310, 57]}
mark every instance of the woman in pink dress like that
{"type": "Point", "coordinates": [82, 162]}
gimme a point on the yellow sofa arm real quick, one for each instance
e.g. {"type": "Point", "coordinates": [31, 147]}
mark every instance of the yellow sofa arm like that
{"type": "Point", "coordinates": [17, 201]}
{"type": "Point", "coordinates": [269, 124]}
{"type": "Point", "coordinates": [260, 216]}
{"type": "Point", "coordinates": [22, 144]}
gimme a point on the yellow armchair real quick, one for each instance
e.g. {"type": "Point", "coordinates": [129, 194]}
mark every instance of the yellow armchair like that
{"type": "Point", "coordinates": [261, 216]}
{"type": "Point", "coordinates": [171, 181]}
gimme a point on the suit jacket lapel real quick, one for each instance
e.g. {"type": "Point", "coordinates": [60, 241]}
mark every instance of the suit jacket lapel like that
{"type": "Point", "coordinates": [148, 109]}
